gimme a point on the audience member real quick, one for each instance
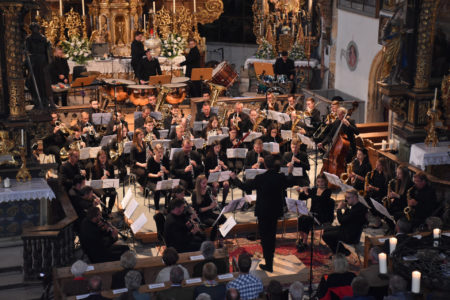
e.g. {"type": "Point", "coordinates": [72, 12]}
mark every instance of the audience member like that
{"type": "Point", "coordinates": [170, 258]}
{"type": "Point", "coordinates": [95, 289]}
{"type": "Point", "coordinates": [127, 262]}
{"type": "Point", "coordinates": [360, 287]}
{"type": "Point", "coordinates": [176, 291]}
{"type": "Point", "coordinates": [397, 287]}
{"type": "Point", "coordinates": [133, 281]}
{"type": "Point", "coordinates": [233, 294]}
{"type": "Point", "coordinates": [296, 290]}
{"type": "Point", "coordinates": [204, 296]}
{"type": "Point", "coordinates": [249, 286]}
{"type": "Point", "coordinates": [275, 291]}
{"type": "Point", "coordinates": [210, 285]}
{"type": "Point", "coordinates": [79, 284]}
{"type": "Point", "coordinates": [208, 249]}
{"type": "Point", "coordinates": [338, 283]}
{"type": "Point", "coordinates": [378, 286]}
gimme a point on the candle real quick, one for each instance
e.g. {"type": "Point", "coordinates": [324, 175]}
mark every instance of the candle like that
{"type": "Point", "coordinates": [60, 8]}
{"type": "Point", "coordinates": [144, 23]}
{"type": "Point", "coordinates": [173, 6]}
{"type": "Point", "coordinates": [100, 23]}
{"type": "Point", "coordinates": [22, 140]}
{"type": "Point", "coordinates": [435, 98]}
{"type": "Point", "coordinates": [310, 6]}
{"type": "Point", "coordinates": [382, 263]}
{"type": "Point", "coordinates": [415, 282]}
{"type": "Point", "coordinates": [195, 6]}
{"type": "Point", "coordinates": [391, 144]}
{"type": "Point", "coordinates": [37, 13]}
{"type": "Point", "coordinates": [82, 7]}
{"type": "Point", "coordinates": [392, 244]}
{"type": "Point", "coordinates": [383, 145]}
{"type": "Point", "coordinates": [154, 8]}
{"type": "Point", "coordinates": [436, 233]}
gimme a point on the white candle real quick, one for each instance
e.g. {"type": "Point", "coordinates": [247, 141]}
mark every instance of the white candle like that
{"type": "Point", "coordinates": [436, 233]}
{"type": "Point", "coordinates": [144, 23]}
{"type": "Point", "coordinates": [435, 98]}
{"type": "Point", "coordinates": [383, 145]}
{"type": "Point", "coordinates": [154, 7]}
{"type": "Point", "coordinates": [37, 13]}
{"type": "Point", "coordinates": [310, 6]}
{"type": "Point", "coordinates": [174, 6]}
{"type": "Point", "coordinates": [415, 282]}
{"type": "Point", "coordinates": [382, 263]}
{"type": "Point", "coordinates": [195, 6]}
{"type": "Point", "coordinates": [392, 244]}
{"type": "Point", "coordinates": [60, 8]}
{"type": "Point", "coordinates": [22, 139]}
{"type": "Point", "coordinates": [391, 144]}
{"type": "Point", "coordinates": [82, 6]}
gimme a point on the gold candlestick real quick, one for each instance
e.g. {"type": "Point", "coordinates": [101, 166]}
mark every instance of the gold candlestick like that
{"type": "Point", "coordinates": [23, 174]}
{"type": "Point", "coordinates": [84, 25]}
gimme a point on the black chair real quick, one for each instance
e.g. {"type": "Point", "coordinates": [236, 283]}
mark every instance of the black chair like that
{"type": "Point", "coordinates": [160, 221]}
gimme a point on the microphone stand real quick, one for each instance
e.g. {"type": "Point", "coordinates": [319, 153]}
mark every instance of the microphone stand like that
{"type": "Point", "coordinates": [311, 255]}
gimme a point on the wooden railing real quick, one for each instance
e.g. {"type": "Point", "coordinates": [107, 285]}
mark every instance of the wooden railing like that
{"type": "Point", "coordinates": [45, 247]}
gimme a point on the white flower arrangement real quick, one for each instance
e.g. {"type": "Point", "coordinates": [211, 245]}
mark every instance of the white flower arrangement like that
{"type": "Point", "coordinates": [173, 46]}
{"type": "Point", "coordinates": [297, 52]}
{"type": "Point", "coordinates": [78, 50]}
{"type": "Point", "coordinates": [265, 50]}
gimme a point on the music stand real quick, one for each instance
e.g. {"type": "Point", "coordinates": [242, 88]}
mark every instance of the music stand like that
{"type": "Point", "coordinates": [263, 69]}
{"type": "Point", "coordinates": [201, 74]}
{"type": "Point", "coordinates": [82, 82]}
{"type": "Point", "coordinates": [159, 79]}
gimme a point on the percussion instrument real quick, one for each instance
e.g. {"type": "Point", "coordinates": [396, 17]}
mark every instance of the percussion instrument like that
{"type": "Point", "coordinates": [224, 75]}
{"type": "Point", "coordinates": [173, 72]}
{"type": "Point", "coordinates": [117, 88]}
{"type": "Point", "coordinates": [180, 79]}
{"type": "Point", "coordinates": [282, 79]}
{"type": "Point", "coordinates": [177, 92]}
{"type": "Point", "coordinates": [139, 93]}
{"type": "Point", "coordinates": [90, 73]}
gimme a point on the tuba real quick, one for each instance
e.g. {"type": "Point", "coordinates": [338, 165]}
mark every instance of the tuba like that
{"type": "Point", "coordinates": [216, 90]}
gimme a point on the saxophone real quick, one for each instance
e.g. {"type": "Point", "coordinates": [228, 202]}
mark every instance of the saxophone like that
{"type": "Point", "coordinates": [161, 97]}
{"type": "Point", "coordinates": [345, 177]}
{"type": "Point", "coordinates": [261, 116]}
{"type": "Point", "coordinates": [409, 210]}
{"type": "Point", "coordinates": [369, 175]}
{"type": "Point", "coordinates": [216, 90]}
{"type": "Point", "coordinates": [386, 200]}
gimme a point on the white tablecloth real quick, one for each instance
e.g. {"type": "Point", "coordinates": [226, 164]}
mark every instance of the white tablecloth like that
{"type": "Point", "coordinates": [37, 188]}
{"type": "Point", "coordinates": [422, 155]}
{"type": "Point", "coordinates": [298, 63]}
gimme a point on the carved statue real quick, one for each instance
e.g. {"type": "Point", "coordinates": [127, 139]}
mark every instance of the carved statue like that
{"type": "Point", "coordinates": [120, 29]}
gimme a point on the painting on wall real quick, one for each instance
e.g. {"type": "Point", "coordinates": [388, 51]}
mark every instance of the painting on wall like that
{"type": "Point", "coordinates": [352, 55]}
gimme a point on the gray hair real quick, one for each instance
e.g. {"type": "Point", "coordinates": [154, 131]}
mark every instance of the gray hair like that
{"type": "Point", "coordinates": [403, 226]}
{"type": "Point", "coordinates": [296, 290]}
{"type": "Point", "coordinates": [203, 296]}
{"type": "Point", "coordinates": [360, 286]}
{"type": "Point", "coordinates": [207, 248]}
{"type": "Point", "coordinates": [340, 263]}
{"type": "Point", "coordinates": [133, 280]}
{"type": "Point", "coordinates": [433, 222]}
{"type": "Point", "coordinates": [176, 275]}
{"type": "Point", "coordinates": [128, 259]}
{"type": "Point", "coordinates": [78, 268]}
{"type": "Point", "coordinates": [397, 284]}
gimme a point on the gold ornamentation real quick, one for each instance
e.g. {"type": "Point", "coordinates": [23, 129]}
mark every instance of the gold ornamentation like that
{"type": "Point", "coordinates": [23, 174]}
{"type": "Point", "coordinates": [398, 105]}
{"type": "Point", "coordinates": [51, 28]}
{"type": "Point", "coordinates": [210, 12]}
{"type": "Point", "coordinates": [73, 23]}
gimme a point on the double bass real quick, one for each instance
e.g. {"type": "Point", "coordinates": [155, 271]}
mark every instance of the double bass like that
{"type": "Point", "coordinates": [334, 160]}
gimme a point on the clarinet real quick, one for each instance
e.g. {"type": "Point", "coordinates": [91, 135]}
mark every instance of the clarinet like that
{"type": "Point", "coordinates": [192, 170]}
{"type": "Point", "coordinates": [257, 160]}
{"type": "Point", "coordinates": [161, 170]}
{"type": "Point", "coordinates": [218, 162]}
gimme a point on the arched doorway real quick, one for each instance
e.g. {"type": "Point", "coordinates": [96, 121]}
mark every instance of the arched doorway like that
{"type": "Point", "coordinates": [376, 112]}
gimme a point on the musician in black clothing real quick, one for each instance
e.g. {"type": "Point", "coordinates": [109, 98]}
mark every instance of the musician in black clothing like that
{"type": "Point", "coordinates": [192, 61]}
{"type": "Point", "coordinates": [239, 118]}
{"type": "Point", "coordinates": [231, 141]}
{"type": "Point", "coordinates": [322, 207]}
{"type": "Point", "coordinates": [138, 156]}
{"type": "Point", "coordinates": [312, 119]}
{"type": "Point", "coordinates": [149, 128]}
{"type": "Point", "coordinates": [348, 127]}
{"type": "Point", "coordinates": [98, 238]}
{"type": "Point", "coordinates": [59, 72]}
{"type": "Point", "coordinates": [360, 167]}
{"type": "Point", "coordinates": [69, 169]}
{"type": "Point", "coordinates": [293, 104]}
{"type": "Point", "coordinates": [93, 108]}
{"type": "Point", "coordinates": [255, 158]}
{"type": "Point", "coordinates": [140, 120]}
{"type": "Point", "coordinates": [158, 166]}
{"type": "Point", "coordinates": [272, 135]}
{"type": "Point", "coordinates": [180, 232]}
{"type": "Point", "coordinates": [76, 200]}
{"type": "Point", "coordinates": [271, 103]}
{"type": "Point", "coordinates": [148, 66]}
{"type": "Point", "coordinates": [299, 159]}
{"type": "Point", "coordinates": [206, 113]}
{"type": "Point", "coordinates": [56, 140]}
{"type": "Point", "coordinates": [270, 188]}
{"type": "Point", "coordinates": [102, 170]}
{"type": "Point", "coordinates": [186, 165]}
{"type": "Point", "coordinates": [216, 161]}
{"type": "Point", "coordinates": [421, 199]}
{"type": "Point", "coordinates": [351, 223]}
{"type": "Point", "coordinates": [174, 118]}
{"type": "Point", "coordinates": [177, 141]}
{"type": "Point", "coordinates": [377, 180]}
{"type": "Point", "coordinates": [137, 51]}
{"type": "Point", "coordinates": [285, 66]}
{"type": "Point", "coordinates": [88, 129]}
{"type": "Point", "coordinates": [397, 193]}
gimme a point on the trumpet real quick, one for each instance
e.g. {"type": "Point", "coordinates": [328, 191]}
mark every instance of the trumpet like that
{"type": "Point", "coordinates": [63, 128]}
{"type": "Point", "coordinates": [235, 121]}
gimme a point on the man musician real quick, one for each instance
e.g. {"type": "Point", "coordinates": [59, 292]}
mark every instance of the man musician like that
{"type": "Point", "coordinates": [70, 169]}
{"type": "Point", "coordinates": [148, 66]}
{"type": "Point", "coordinates": [193, 61]}
{"type": "Point", "coordinates": [187, 165]}
{"type": "Point", "coordinates": [59, 71]}
{"type": "Point", "coordinates": [285, 66]}
{"type": "Point", "coordinates": [293, 104]}
{"type": "Point", "coordinates": [206, 113]}
{"type": "Point", "coordinates": [137, 51]}
{"type": "Point", "coordinates": [239, 118]}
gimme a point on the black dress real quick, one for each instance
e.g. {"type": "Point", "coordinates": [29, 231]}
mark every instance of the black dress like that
{"type": "Point", "coordinates": [154, 167]}
{"type": "Point", "coordinates": [109, 192]}
{"type": "Point", "coordinates": [304, 164]}
{"type": "Point", "coordinates": [208, 217]}
{"type": "Point", "coordinates": [322, 206]}
{"type": "Point", "coordinates": [138, 156]}
{"type": "Point", "coordinates": [361, 170]}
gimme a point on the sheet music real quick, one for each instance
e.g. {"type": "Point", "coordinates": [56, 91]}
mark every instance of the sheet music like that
{"type": "Point", "coordinates": [131, 208]}
{"type": "Point", "coordinates": [127, 147]}
{"type": "Point", "coordinates": [250, 198]}
{"type": "Point", "coordinates": [198, 143]}
{"type": "Point", "coordinates": [84, 153]}
{"type": "Point", "coordinates": [382, 210]}
{"type": "Point", "coordinates": [173, 151]}
{"type": "Point", "coordinates": [297, 206]}
{"type": "Point", "coordinates": [225, 130]}
{"type": "Point", "coordinates": [44, 159]}
{"type": "Point", "coordinates": [101, 118]}
{"type": "Point", "coordinates": [296, 171]}
{"type": "Point", "coordinates": [137, 225]}
{"type": "Point", "coordinates": [167, 184]}
{"type": "Point", "coordinates": [106, 139]}
{"type": "Point", "coordinates": [234, 205]}
{"type": "Point", "coordinates": [157, 115]}
{"type": "Point", "coordinates": [227, 226]}
{"type": "Point", "coordinates": [278, 116]}
{"type": "Point", "coordinates": [93, 151]}
{"type": "Point", "coordinates": [272, 147]}
{"type": "Point", "coordinates": [217, 137]}
{"type": "Point", "coordinates": [307, 141]}
{"type": "Point", "coordinates": [333, 179]}
{"type": "Point", "coordinates": [219, 176]}
{"type": "Point", "coordinates": [95, 184]}
{"type": "Point", "coordinates": [164, 143]}
{"type": "Point", "coordinates": [286, 134]}
{"type": "Point", "coordinates": [111, 183]}
{"type": "Point", "coordinates": [237, 152]}
{"type": "Point", "coordinates": [252, 136]}
{"type": "Point", "coordinates": [199, 125]}
{"type": "Point", "coordinates": [251, 173]}
{"type": "Point", "coordinates": [363, 201]}
{"type": "Point", "coordinates": [126, 199]}
{"type": "Point", "coordinates": [163, 133]}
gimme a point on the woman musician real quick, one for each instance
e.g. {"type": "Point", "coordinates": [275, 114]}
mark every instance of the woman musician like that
{"type": "Point", "coordinates": [360, 167]}
{"type": "Point", "coordinates": [212, 128]}
{"type": "Point", "coordinates": [204, 204]}
{"type": "Point", "coordinates": [322, 206]}
{"type": "Point", "coordinates": [158, 166]}
{"type": "Point", "coordinates": [396, 199]}
{"type": "Point", "coordinates": [299, 158]}
{"type": "Point", "coordinates": [230, 142]}
{"type": "Point", "coordinates": [216, 161]}
{"type": "Point", "coordinates": [102, 170]}
{"type": "Point", "coordinates": [138, 157]}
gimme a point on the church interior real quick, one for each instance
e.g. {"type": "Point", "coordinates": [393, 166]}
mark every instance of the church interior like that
{"type": "Point", "coordinates": [326, 123]}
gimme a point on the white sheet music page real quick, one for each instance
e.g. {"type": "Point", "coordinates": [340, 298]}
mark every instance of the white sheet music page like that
{"type": "Point", "coordinates": [227, 226]}
{"type": "Point", "coordinates": [131, 208]}
{"type": "Point", "coordinates": [126, 199]}
{"type": "Point", "coordinates": [137, 225]}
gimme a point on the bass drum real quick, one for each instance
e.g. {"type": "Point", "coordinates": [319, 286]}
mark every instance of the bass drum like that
{"type": "Point", "coordinates": [224, 75]}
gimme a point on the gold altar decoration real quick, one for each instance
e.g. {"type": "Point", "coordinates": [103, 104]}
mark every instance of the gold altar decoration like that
{"type": "Point", "coordinates": [209, 12]}
{"type": "Point", "coordinates": [51, 27]}
{"type": "Point", "coordinates": [23, 174]}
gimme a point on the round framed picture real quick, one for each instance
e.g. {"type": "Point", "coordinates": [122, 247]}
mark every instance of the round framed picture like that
{"type": "Point", "coordinates": [352, 55]}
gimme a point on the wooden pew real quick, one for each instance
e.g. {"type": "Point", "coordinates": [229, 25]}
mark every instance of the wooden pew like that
{"type": "Point", "coordinates": [372, 127]}
{"type": "Point", "coordinates": [149, 266]}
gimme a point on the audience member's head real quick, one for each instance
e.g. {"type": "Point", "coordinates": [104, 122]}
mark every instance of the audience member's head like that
{"type": "Point", "coordinates": [176, 275]}
{"type": "Point", "coordinates": [86, 192]}
{"type": "Point", "coordinates": [340, 263]}
{"type": "Point", "coordinates": [128, 259]}
{"type": "Point", "coordinates": [78, 268]}
{"type": "Point", "coordinates": [373, 254]}
{"type": "Point", "coordinates": [274, 290]}
{"type": "Point", "coordinates": [397, 284]}
{"type": "Point", "coordinates": [207, 248]}
{"type": "Point", "coordinates": [403, 226]}
{"type": "Point", "coordinates": [233, 294]}
{"type": "Point", "coordinates": [133, 280]}
{"type": "Point", "coordinates": [209, 271]}
{"type": "Point", "coordinates": [170, 256]}
{"type": "Point", "coordinates": [203, 296]}
{"type": "Point", "coordinates": [360, 286]}
{"type": "Point", "coordinates": [296, 290]}
{"type": "Point", "coordinates": [95, 284]}
{"type": "Point", "coordinates": [244, 262]}
{"type": "Point", "coordinates": [433, 222]}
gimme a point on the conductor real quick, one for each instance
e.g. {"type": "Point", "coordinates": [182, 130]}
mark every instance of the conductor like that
{"type": "Point", "coordinates": [149, 66]}
{"type": "Point", "coordinates": [193, 61]}
{"type": "Point", "coordinates": [270, 187]}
